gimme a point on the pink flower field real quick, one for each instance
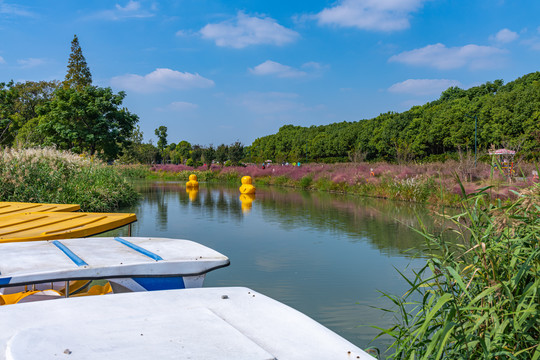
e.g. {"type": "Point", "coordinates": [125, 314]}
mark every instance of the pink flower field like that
{"type": "Point", "coordinates": [402, 182]}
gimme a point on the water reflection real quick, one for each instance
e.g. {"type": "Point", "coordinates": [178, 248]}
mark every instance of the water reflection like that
{"type": "Point", "coordinates": [324, 254]}
{"type": "Point", "coordinates": [192, 193]}
{"type": "Point", "coordinates": [247, 202]}
{"type": "Point", "coordinates": [385, 224]}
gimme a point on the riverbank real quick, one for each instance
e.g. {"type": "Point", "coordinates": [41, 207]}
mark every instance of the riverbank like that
{"type": "Point", "coordinates": [440, 183]}
{"type": "Point", "coordinates": [47, 175]}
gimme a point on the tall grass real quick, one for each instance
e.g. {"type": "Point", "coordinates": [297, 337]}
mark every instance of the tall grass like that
{"type": "Point", "coordinates": [46, 175]}
{"type": "Point", "coordinates": [478, 296]}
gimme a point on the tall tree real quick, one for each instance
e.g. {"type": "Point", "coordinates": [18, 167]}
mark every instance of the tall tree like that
{"type": "Point", "coordinates": [183, 148]}
{"type": "Point", "coordinates": [7, 110]}
{"type": "Point", "coordinates": [222, 154]}
{"type": "Point", "coordinates": [78, 75]}
{"type": "Point", "coordinates": [161, 133]}
{"type": "Point", "coordinates": [236, 152]}
{"type": "Point", "coordinates": [91, 120]}
{"type": "Point", "coordinates": [209, 154]}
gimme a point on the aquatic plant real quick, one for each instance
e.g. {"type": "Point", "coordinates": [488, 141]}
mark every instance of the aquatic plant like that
{"type": "Point", "coordinates": [478, 295]}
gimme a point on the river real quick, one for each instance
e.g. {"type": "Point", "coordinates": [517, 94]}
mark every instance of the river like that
{"type": "Point", "coordinates": [326, 255]}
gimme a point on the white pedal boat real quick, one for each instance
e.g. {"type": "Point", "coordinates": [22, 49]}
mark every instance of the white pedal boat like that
{"type": "Point", "coordinates": [128, 263]}
{"type": "Point", "coordinates": [205, 323]}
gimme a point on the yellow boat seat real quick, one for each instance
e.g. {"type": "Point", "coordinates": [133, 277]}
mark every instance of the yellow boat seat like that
{"type": "Point", "coordinates": [97, 290]}
{"type": "Point", "coordinates": [14, 298]}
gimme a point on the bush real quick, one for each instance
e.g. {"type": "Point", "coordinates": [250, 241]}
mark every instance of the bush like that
{"type": "Point", "coordinates": [51, 176]}
{"type": "Point", "coordinates": [478, 296]}
{"type": "Point", "coordinates": [305, 182]}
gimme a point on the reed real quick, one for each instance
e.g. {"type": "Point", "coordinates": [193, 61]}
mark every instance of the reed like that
{"type": "Point", "coordinates": [46, 175]}
{"type": "Point", "coordinates": [478, 295]}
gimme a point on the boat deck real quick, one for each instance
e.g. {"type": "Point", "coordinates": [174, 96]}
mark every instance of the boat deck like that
{"type": "Point", "coordinates": [25, 263]}
{"type": "Point", "coordinates": [204, 323]}
{"type": "Point", "coordinates": [31, 226]}
{"type": "Point", "coordinates": [9, 208]}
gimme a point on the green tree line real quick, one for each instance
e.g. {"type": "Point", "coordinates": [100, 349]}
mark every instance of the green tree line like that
{"type": "Point", "coordinates": [507, 115]}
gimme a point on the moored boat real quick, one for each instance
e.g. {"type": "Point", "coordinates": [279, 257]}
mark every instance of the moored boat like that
{"type": "Point", "coordinates": [32, 226]}
{"type": "Point", "coordinates": [204, 323]}
{"type": "Point", "coordinates": [127, 263]}
{"type": "Point", "coordinates": [22, 207]}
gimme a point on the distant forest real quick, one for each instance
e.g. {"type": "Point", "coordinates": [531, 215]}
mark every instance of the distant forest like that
{"type": "Point", "coordinates": [507, 116]}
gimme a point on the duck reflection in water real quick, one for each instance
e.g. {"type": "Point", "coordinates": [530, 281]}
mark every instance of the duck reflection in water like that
{"type": "Point", "coordinates": [247, 202]}
{"type": "Point", "coordinates": [192, 193]}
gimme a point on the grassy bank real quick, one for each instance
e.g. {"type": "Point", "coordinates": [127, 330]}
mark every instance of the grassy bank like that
{"type": "Point", "coordinates": [423, 183]}
{"type": "Point", "coordinates": [478, 296]}
{"type": "Point", "coordinates": [51, 176]}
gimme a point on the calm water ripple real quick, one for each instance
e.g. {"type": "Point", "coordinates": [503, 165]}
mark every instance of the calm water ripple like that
{"type": "Point", "coordinates": [323, 254]}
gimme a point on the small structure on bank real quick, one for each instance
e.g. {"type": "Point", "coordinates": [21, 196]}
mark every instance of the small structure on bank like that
{"type": "Point", "coordinates": [503, 159]}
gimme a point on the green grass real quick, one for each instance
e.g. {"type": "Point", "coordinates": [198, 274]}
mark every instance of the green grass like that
{"type": "Point", "coordinates": [51, 176]}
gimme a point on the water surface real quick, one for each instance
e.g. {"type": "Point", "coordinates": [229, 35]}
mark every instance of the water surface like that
{"type": "Point", "coordinates": [326, 255]}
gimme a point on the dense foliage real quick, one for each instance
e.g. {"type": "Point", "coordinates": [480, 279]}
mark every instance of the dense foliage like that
{"type": "Point", "coordinates": [478, 297]}
{"type": "Point", "coordinates": [52, 176]}
{"type": "Point", "coordinates": [507, 115]}
{"type": "Point", "coordinates": [72, 115]}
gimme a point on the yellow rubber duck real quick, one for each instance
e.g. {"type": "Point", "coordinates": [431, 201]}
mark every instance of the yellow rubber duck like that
{"type": "Point", "coordinates": [192, 183]}
{"type": "Point", "coordinates": [246, 187]}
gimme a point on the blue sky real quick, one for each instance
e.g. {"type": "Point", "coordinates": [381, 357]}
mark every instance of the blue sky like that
{"type": "Point", "coordinates": [220, 71]}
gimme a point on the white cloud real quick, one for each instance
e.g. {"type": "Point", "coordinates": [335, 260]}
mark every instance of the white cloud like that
{"type": "Point", "coordinates": [30, 62]}
{"type": "Point", "coordinates": [179, 106]}
{"type": "Point", "coordinates": [533, 43]}
{"type": "Point", "coordinates": [504, 36]}
{"type": "Point", "coordinates": [161, 80]}
{"type": "Point", "coordinates": [132, 9]}
{"type": "Point", "coordinates": [273, 68]}
{"type": "Point", "coordinates": [313, 65]}
{"type": "Point", "coordinates": [245, 30]}
{"type": "Point", "coordinates": [441, 57]}
{"type": "Point", "coordinates": [130, 6]}
{"type": "Point", "coordinates": [11, 9]}
{"type": "Point", "coordinates": [423, 86]}
{"type": "Point", "coordinates": [270, 67]}
{"type": "Point", "coordinates": [2, 61]}
{"type": "Point", "coordinates": [379, 15]}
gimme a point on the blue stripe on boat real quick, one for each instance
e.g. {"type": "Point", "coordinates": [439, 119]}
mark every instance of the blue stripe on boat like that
{"type": "Point", "coordinates": [70, 254]}
{"type": "Point", "coordinates": [137, 248]}
{"type": "Point", "coordinates": [161, 283]}
{"type": "Point", "coordinates": [5, 281]}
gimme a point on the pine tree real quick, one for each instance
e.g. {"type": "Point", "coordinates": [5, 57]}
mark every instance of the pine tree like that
{"type": "Point", "coordinates": [78, 75]}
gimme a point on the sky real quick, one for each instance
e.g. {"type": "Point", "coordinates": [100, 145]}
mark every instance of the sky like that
{"type": "Point", "coordinates": [217, 72]}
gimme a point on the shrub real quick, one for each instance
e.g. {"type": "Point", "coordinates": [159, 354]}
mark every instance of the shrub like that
{"type": "Point", "coordinates": [305, 182]}
{"type": "Point", "coordinates": [51, 176]}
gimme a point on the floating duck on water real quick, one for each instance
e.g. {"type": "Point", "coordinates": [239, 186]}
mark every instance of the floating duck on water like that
{"type": "Point", "coordinates": [246, 187]}
{"type": "Point", "coordinates": [192, 183]}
